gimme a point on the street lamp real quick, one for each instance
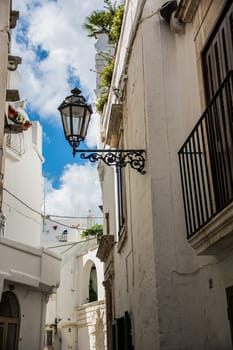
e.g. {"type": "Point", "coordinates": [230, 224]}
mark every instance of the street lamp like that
{"type": "Point", "coordinates": [76, 115]}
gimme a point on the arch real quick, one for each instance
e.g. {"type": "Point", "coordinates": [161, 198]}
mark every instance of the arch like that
{"type": "Point", "coordinates": [9, 321]}
{"type": "Point", "coordinates": [90, 282]}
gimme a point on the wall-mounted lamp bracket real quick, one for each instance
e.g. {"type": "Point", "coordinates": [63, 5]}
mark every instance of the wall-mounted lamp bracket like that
{"type": "Point", "coordinates": [117, 157]}
{"type": "Point", "coordinates": [75, 115]}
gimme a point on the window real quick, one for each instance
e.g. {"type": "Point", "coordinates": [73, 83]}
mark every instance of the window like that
{"type": "Point", "coordinates": [63, 236]}
{"type": "Point", "coordinates": [93, 296]}
{"type": "Point", "coordinates": [107, 223]}
{"type": "Point", "coordinates": [2, 224]}
{"type": "Point", "coordinates": [9, 321]}
{"type": "Point", "coordinates": [217, 60]}
{"type": "Point", "coordinates": [206, 157]}
{"type": "Point", "coordinates": [120, 200]}
{"type": "Point", "coordinates": [217, 55]}
{"type": "Point", "coordinates": [49, 338]}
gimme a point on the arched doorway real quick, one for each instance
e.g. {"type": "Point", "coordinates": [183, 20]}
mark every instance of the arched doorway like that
{"type": "Point", "coordinates": [9, 321]}
{"type": "Point", "coordinates": [93, 294]}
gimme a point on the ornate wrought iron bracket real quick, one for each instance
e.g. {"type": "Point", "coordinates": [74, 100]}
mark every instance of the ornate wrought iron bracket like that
{"type": "Point", "coordinates": [119, 158]}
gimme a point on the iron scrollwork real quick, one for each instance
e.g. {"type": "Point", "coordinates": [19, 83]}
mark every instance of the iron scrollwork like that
{"type": "Point", "coordinates": [118, 158]}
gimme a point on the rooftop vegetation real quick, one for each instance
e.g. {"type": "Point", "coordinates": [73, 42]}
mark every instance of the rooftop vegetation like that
{"type": "Point", "coordinates": [94, 231]}
{"type": "Point", "coordinates": [109, 21]}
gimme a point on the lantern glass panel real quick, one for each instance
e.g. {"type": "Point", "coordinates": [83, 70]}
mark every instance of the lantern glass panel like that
{"type": "Point", "coordinates": [86, 122]}
{"type": "Point", "coordinates": [77, 111]}
{"type": "Point", "coordinates": [65, 112]}
{"type": "Point", "coordinates": [77, 119]}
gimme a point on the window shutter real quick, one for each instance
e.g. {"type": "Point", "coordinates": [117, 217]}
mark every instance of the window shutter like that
{"type": "Point", "coordinates": [218, 53]}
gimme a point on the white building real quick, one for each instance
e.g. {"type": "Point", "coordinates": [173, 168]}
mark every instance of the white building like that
{"type": "Point", "coordinates": [168, 272]}
{"type": "Point", "coordinates": [57, 229]}
{"type": "Point", "coordinates": [28, 272]}
{"type": "Point", "coordinates": [104, 51]}
{"type": "Point", "coordinates": [76, 316]}
{"type": "Point", "coordinates": [66, 229]}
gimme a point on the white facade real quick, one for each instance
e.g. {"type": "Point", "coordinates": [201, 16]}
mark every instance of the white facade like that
{"type": "Point", "coordinates": [104, 51]}
{"type": "Point", "coordinates": [175, 298]}
{"type": "Point", "coordinates": [75, 318]}
{"type": "Point", "coordinates": [28, 272]}
{"type": "Point", "coordinates": [31, 275]}
{"type": "Point", "coordinates": [57, 229]}
{"type": "Point", "coordinates": [68, 229]}
{"type": "Point", "coordinates": [23, 181]}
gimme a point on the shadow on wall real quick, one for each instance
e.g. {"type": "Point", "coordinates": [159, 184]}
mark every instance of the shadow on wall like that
{"type": "Point", "coordinates": [99, 331]}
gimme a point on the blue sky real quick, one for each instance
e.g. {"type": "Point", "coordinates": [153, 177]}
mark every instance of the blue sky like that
{"type": "Point", "coordinates": [56, 150]}
{"type": "Point", "coordinates": [56, 56]}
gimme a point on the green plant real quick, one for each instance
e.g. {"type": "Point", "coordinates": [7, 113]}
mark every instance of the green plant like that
{"type": "Point", "coordinates": [101, 102]}
{"type": "Point", "coordinates": [117, 23]}
{"type": "Point", "coordinates": [100, 21]}
{"type": "Point", "coordinates": [106, 74]}
{"type": "Point", "coordinates": [107, 21]}
{"type": "Point", "coordinates": [94, 231]}
{"type": "Point", "coordinates": [106, 78]}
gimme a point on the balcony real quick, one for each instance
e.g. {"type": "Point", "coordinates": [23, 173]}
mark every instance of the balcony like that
{"type": "Point", "coordinates": [15, 145]}
{"type": "Point", "coordinates": [206, 167]}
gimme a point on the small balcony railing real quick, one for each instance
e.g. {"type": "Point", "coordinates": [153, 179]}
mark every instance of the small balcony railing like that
{"type": "Point", "coordinates": [206, 161]}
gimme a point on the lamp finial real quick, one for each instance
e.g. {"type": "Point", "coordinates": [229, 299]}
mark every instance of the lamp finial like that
{"type": "Point", "coordinates": [76, 91]}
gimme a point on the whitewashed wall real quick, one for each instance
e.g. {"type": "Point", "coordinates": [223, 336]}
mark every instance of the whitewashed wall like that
{"type": "Point", "coordinates": [23, 179]}
{"type": "Point", "coordinates": [30, 273]}
{"type": "Point", "coordinates": [73, 293]}
{"type": "Point", "coordinates": [158, 277]}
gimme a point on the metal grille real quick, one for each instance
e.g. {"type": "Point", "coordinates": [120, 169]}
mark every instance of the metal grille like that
{"type": "Point", "coordinates": [206, 160]}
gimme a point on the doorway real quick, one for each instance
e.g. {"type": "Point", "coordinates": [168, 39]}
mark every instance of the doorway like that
{"type": "Point", "coordinates": [9, 321]}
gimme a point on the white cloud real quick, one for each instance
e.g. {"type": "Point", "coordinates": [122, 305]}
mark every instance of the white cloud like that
{"type": "Point", "coordinates": [93, 134]}
{"type": "Point", "coordinates": [46, 138]}
{"type": "Point", "coordinates": [79, 192]}
{"type": "Point", "coordinates": [57, 27]}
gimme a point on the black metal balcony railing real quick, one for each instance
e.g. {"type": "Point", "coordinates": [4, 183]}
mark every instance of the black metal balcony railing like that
{"type": "Point", "coordinates": [206, 161]}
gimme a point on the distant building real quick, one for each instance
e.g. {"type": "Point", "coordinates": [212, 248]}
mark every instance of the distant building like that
{"type": "Point", "coordinates": [76, 315]}
{"type": "Point", "coordinates": [104, 51]}
{"type": "Point", "coordinates": [65, 228]}
{"type": "Point", "coordinates": [57, 229]}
